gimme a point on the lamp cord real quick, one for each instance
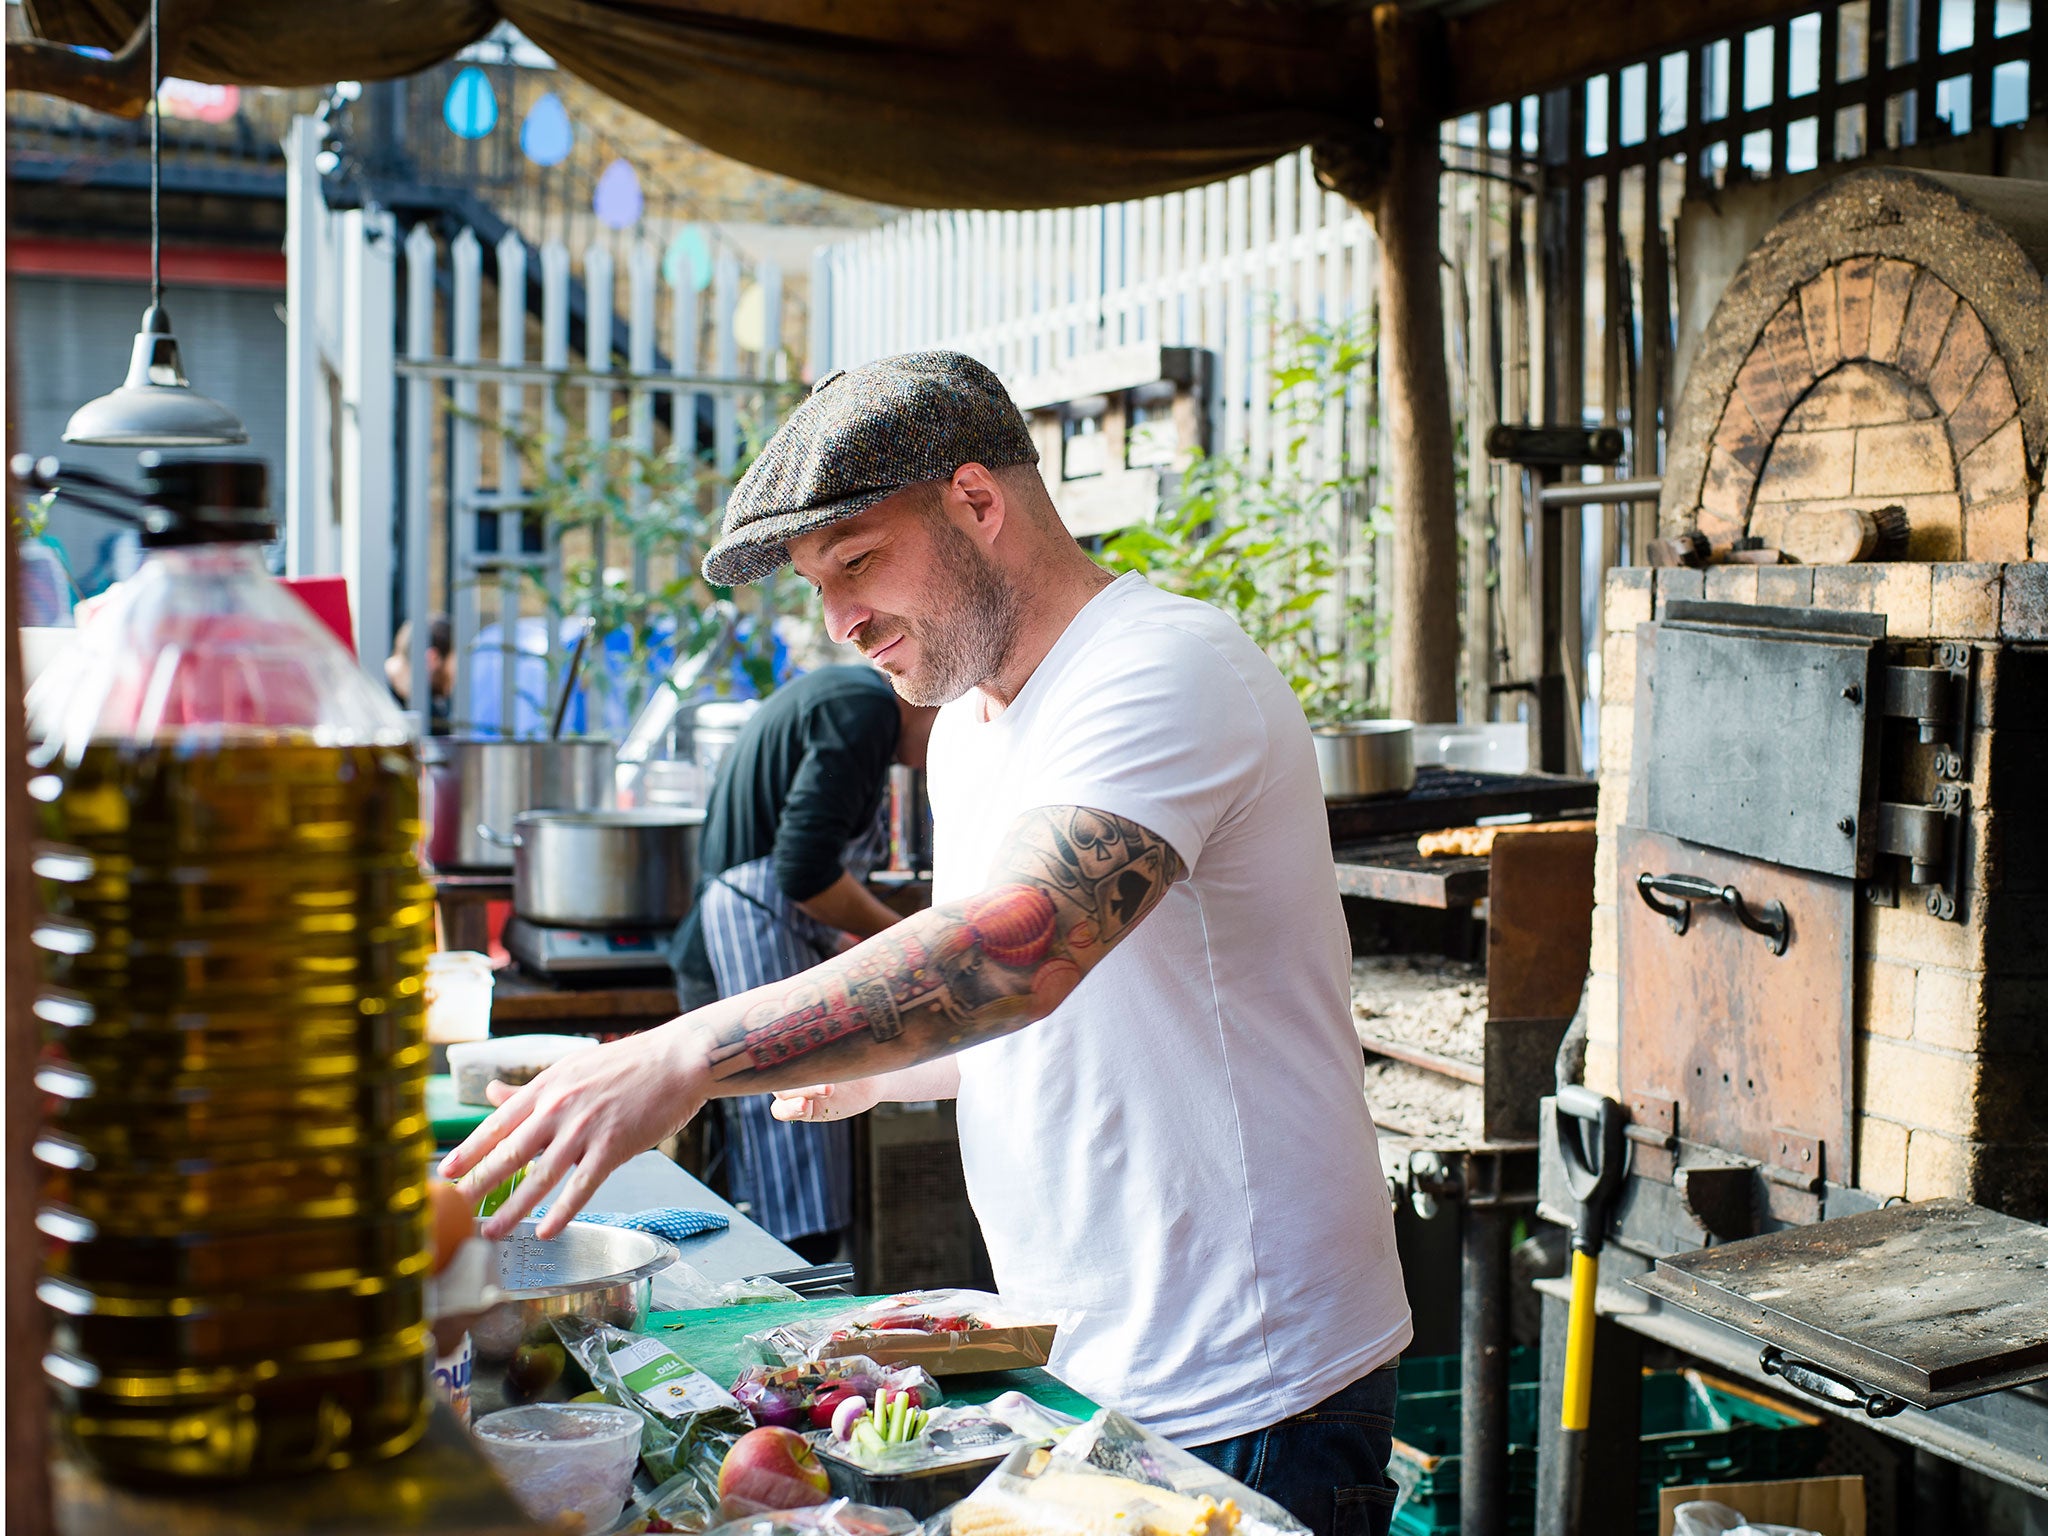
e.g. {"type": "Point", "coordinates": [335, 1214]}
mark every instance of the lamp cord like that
{"type": "Point", "coordinates": [156, 151]}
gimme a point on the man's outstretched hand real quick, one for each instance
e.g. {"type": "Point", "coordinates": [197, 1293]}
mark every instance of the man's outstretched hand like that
{"type": "Point", "coordinates": [578, 1120]}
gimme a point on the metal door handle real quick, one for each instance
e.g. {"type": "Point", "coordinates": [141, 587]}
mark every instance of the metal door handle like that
{"type": "Point", "coordinates": [1769, 920]}
{"type": "Point", "coordinates": [1830, 1387]}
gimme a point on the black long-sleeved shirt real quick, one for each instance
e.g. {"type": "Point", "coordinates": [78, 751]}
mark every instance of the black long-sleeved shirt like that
{"type": "Point", "coordinates": [805, 778]}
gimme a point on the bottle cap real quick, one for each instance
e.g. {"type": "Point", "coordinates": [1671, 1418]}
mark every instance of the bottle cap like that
{"type": "Point", "coordinates": [206, 499]}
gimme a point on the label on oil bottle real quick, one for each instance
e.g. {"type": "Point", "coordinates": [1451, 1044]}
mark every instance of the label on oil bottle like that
{"type": "Point", "coordinates": [451, 1377]}
{"type": "Point", "coordinates": [667, 1383]}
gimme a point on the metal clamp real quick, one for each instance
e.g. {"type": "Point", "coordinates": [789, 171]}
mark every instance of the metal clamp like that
{"type": "Point", "coordinates": [1830, 1387]}
{"type": "Point", "coordinates": [1769, 920]}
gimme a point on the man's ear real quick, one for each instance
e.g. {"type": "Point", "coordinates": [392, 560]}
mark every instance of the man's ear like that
{"type": "Point", "coordinates": [982, 502]}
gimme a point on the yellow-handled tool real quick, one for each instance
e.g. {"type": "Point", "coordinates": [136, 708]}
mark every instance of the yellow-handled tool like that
{"type": "Point", "coordinates": [1592, 1143]}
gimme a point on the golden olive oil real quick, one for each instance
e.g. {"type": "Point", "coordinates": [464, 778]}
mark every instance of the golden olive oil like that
{"type": "Point", "coordinates": [236, 1140]}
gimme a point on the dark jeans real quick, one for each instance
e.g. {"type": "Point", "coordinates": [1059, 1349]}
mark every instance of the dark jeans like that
{"type": "Point", "coordinates": [1327, 1464]}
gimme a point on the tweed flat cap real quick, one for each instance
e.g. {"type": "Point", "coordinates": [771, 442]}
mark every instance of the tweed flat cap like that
{"type": "Point", "coordinates": [863, 435]}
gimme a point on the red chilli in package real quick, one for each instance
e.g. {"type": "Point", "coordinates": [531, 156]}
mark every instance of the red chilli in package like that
{"type": "Point", "coordinates": [948, 1333]}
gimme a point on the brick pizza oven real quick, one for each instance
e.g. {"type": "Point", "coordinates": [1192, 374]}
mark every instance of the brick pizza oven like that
{"type": "Point", "coordinates": [1884, 351]}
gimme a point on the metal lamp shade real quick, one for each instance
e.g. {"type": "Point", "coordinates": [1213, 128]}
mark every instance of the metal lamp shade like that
{"type": "Point", "coordinates": [155, 407]}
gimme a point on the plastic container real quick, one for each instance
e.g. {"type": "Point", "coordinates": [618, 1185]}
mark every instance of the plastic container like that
{"type": "Point", "coordinates": [564, 1459]}
{"type": "Point", "coordinates": [234, 1053]}
{"type": "Point", "coordinates": [1700, 1429]}
{"type": "Point", "coordinates": [921, 1491]}
{"type": "Point", "coordinates": [514, 1060]}
{"type": "Point", "coordinates": [1425, 1457]}
{"type": "Point", "coordinates": [458, 996]}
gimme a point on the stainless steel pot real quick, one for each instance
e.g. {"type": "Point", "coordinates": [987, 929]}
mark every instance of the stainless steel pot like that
{"type": "Point", "coordinates": [1365, 758]}
{"type": "Point", "coordinates": [474, 781]}
{"type": "Point", "coordinates": [603, 869]}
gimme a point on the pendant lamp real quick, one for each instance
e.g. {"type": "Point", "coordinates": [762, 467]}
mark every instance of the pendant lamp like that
{"type": "Point", "coordinates": [155, 407]}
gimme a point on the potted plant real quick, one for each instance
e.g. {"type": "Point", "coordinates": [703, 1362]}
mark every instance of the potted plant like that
{"type": "Point", "coordinates": [1247, 540]}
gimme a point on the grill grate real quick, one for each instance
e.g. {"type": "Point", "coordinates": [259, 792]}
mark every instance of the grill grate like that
{"type": "Point", "coordinates": [1456, 797]}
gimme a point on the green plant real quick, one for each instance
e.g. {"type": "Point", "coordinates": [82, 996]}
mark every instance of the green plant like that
{"type": "Point", "coordinates": [1245, 538]}
{"type": "Point", "coordinates": [647, 518]}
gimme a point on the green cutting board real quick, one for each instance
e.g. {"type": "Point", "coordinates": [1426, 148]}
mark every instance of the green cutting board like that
{"type": "Point", "coordinates": [451, 1121]}
{"type": "Point", "coordinates": [714, 1341]}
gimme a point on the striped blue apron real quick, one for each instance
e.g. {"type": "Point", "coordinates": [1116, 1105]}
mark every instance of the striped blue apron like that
{"type": "Point", "coordinates": [794, 1179]}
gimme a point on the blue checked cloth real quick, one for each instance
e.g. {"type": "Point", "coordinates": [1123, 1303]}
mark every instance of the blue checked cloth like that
{"type": "Point", "coordinates": [671, 1222]}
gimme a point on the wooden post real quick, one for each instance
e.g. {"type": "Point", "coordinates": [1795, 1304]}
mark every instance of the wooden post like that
{"type": "Point", "coordinates": [1422, 491]}
{"type": "Point", "coordinates": [1480, 564]}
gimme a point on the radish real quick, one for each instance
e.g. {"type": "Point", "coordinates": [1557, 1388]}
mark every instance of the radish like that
{"type": "Point", "coordinates": [848, 1413]}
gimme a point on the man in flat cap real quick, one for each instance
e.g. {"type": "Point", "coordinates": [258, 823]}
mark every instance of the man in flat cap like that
{"type": "Point", "coordinates": [1135, 976]}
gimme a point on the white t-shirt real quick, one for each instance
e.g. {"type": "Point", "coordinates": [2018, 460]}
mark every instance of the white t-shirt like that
{"type": "Point", "coordinates": [1179, 1159]}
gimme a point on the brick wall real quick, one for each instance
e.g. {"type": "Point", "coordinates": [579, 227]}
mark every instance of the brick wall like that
{"type": "Point", "coordinates": [1875, 385]}
{"type": "Point", "coordinates": [1951, 1017]}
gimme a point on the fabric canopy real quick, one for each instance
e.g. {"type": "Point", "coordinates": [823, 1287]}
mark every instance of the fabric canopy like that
{"type": "Point", "coordinates": [920, 103]}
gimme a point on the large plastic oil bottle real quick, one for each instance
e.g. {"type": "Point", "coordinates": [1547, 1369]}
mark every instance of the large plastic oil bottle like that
{"type": "Point", "coordinates": [234, 1060]}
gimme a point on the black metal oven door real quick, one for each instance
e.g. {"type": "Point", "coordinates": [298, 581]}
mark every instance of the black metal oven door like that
{"type": "Point", "coordinates": [1761, 736]}
{"type": "Point", "coordinates": [1915, 1305]}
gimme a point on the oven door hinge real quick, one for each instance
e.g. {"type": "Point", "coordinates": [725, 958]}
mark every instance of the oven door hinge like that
{"type": "Point", "coordinates": [1934, 695]}
{"type": "Point", "coordinates": [1936, 699]}
{"type": "Point", "coordinates": [1930, 839]}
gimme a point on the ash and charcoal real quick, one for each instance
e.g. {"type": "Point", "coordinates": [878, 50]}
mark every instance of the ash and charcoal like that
{"type": "Point", "coordinates": [1425, 1002]}
{"type": "Point", "coordinates": [1426, 1106]}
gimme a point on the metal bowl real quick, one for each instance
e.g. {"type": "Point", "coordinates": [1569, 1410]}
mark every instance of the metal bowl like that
{"type": "Point", "coordinates": [605, 1274]}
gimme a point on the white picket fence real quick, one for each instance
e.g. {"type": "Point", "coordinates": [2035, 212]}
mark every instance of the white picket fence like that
{"type": "Point", "coordinates": [391, 448]}
{"type": "Point", "coordinates": [1219, 267]}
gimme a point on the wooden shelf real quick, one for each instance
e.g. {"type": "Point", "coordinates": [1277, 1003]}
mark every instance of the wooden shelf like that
{"type": "Point", "coordinates": [1451, 797]}
{"type": "Point", "coordinates": [532, 1006]}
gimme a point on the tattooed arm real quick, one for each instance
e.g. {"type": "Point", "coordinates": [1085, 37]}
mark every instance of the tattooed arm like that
{"type": "Point", "coordinates": [1069, 884]}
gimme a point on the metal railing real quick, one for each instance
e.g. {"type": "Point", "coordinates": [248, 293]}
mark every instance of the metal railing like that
{"type": "Point", "coordinates": [397, 140]}
{"type": "Point", "coordinates": [58, 141]}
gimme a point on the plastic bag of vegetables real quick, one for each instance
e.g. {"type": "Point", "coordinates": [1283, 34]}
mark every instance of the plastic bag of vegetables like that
{"type": "Point", "coordinates": [689, 1420]}
{"type": "Point", "coordinates": [893, 1453]}
{"type": "Point", "coordinates": [803, 1396]}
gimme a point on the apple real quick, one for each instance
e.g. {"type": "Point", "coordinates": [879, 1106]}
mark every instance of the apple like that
{"type": "Point", "coordinates": [772, 1468]}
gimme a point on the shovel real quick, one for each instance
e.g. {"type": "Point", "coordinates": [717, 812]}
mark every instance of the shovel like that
{"type": "Point", "coordinates": [1594, 1167]}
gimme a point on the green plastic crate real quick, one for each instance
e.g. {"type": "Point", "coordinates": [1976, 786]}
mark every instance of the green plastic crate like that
{"type": "Point", "coordinates": [1695, 1429]}
{"type": "Point", "coordinates": [1425, 1459]}
{"type": "Point", "coordinates": [1700, 1429]}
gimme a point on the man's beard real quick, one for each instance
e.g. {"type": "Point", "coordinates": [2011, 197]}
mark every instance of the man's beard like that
{"type": "Point", "coordinates": [969, 623]}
